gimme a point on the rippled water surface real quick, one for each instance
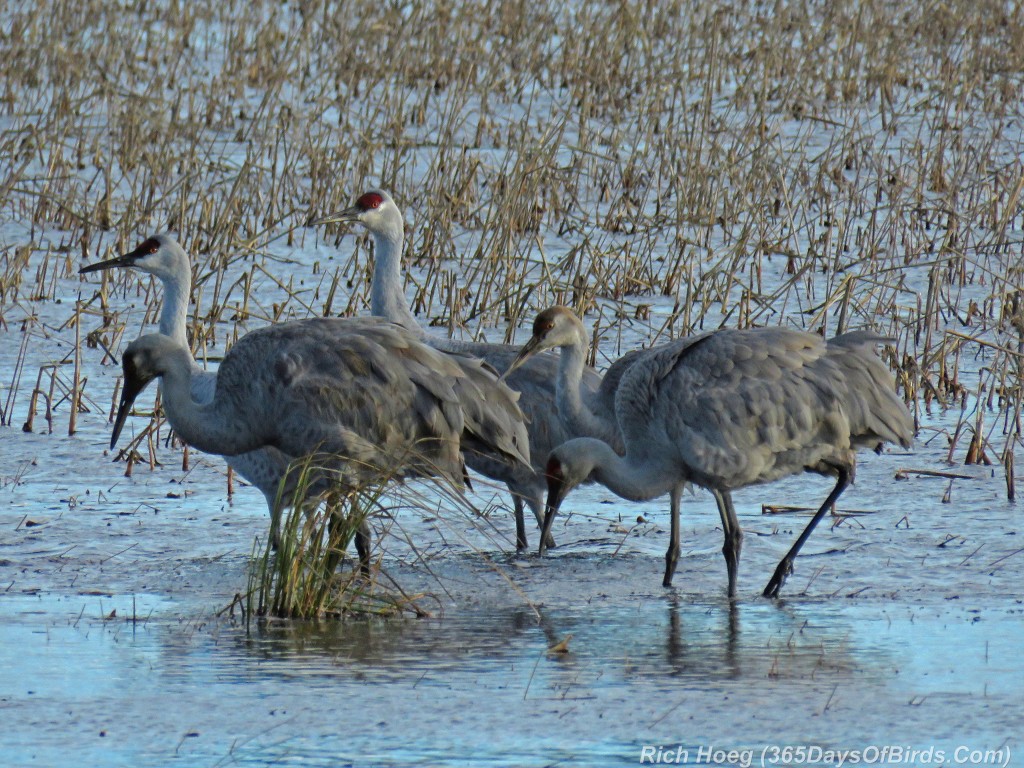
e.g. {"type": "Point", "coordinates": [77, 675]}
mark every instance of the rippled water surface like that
{"type": "Point", "coordinates": [899, 627]}
{"type": "Point", "coordinates": [479, 687]}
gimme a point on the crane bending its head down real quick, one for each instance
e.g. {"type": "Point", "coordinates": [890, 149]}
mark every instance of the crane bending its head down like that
{"type": "Point", "coordinates": [266, 469]}
{"type": "Point", "coordinates": [729, 409]}
{"type": "Point", "coordinates": [362, 393]}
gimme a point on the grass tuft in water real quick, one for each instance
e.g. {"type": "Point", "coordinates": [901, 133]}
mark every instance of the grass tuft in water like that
{"type": "Point", "coordinates": [299, 579]}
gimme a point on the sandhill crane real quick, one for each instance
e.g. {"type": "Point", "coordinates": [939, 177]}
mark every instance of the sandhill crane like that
{"type": "Point", "coordinates": [362, 396]}
{"type": "Point", "coordinates": [724, 410]}
{"type": "Point", "coordinates": [164, 258]}
{"type": "Point", "coordinates": [583, 413]}
{"type": "Point", "coordinates": [161, 256]}
{"type": "Point", "coordinates": [377, 211]}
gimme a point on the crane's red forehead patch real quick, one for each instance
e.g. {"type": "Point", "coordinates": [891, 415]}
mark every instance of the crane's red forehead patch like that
{"type": "Point", "coordinates": [145, 248]}
{"type": "Point", "coordinates": [553, 471]}
{"type": "Point", "coordinates": [370, 201]}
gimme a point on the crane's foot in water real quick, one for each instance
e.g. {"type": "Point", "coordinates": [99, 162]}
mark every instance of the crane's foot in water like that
{"type": "Point", "coordinates": [779, 578]}
{"type": "Point", "coordinates": [671, 558]}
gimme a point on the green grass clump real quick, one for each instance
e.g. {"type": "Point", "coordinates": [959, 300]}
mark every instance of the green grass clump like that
{"type": "Point", "coordinates": [300, 579]}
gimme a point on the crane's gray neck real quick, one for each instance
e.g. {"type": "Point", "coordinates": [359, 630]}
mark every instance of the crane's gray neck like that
{"type": "Point", "coordinates": [174, 317]}
{"type": "Point", "coordinates": [461, 347]}
{"type": "Point", "coordinates": [387, 295]}
{"type": "Point", "coordinates": [577, 415]}
{"type": "Point", "coordinates": [212, 427]}
{"type": "Point", "coordinates": [630, 477]}
{"type": "Point", "coordinates": [174, 321]}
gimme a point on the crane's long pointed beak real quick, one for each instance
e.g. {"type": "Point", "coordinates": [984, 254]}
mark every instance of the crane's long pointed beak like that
{"type": "Point", "coordinates": [347, 216]}
{"type": "Point", "coordinates": [549, 517]}
{"type": "Point", "coordinates": [125, 260]}
{"type": "Point", "coordinates": [529, 349]}
{"type": "Point", "coordinates": [133, 386]}
{"type": "Point", "coordinates": [557, 491]}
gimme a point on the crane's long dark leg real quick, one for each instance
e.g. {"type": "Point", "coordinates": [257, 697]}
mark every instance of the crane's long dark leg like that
{"type": "Point", "coordinates": [733, 536]}
{"type": "Point", "coordinates": [521, 542]}
{"type": "Point", "coordinates": [363, 541]}
{"type": "Point", "coordinates": [275, 526]}
{"type": "Point", "coordinates": [672, 555]}
{"type": "Point", "coordinates": [335, 528]}
{"type": "Point", "coordinates": [785, 566]}
{"type": "Point", "coordinates": [335, 533]}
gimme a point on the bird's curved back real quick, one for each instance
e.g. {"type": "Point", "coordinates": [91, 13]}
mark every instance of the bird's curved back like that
{"type": "Point", "coordinates": [745, 406]}
{"type": "Point", "coordinates": [363, 388]}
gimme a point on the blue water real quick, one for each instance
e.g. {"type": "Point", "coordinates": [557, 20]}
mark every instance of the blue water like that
{"type": "Point", "coordinates": [479, 687]}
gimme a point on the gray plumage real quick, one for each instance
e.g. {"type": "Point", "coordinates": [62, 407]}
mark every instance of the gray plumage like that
{"type": "Point", "coordinates": [162, 257]}
{"type": "Point", "coordinates": [361, 395]}
{"type": "Point", "coordinates": [377, 211]}
{"type": "Point", "coordinates": [729, 409]}
{"type": "Point", "coordinates": [491, 418]}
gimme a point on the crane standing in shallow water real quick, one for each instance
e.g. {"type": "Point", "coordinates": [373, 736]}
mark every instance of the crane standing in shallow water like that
{"type": "Point", "coordinates": [725, 410]}
{"type": "Point", "coordinates": [535, 380]}
{"type": "Point", "coordinates": [164, 258]}
{"type": "Point", "coordinates": [161, 256]}
{"type": "Point", "coordinates": [361, 395]}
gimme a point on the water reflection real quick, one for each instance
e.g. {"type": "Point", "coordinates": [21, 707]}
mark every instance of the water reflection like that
{"type": "Point", "coordinates": [678, 650]}
{"type": "Point", "coordinates": [662, 641]}
{"type": "Point", "coordinates": [482, 683]}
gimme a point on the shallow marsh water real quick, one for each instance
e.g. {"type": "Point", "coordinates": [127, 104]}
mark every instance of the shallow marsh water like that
{"type": "Point", "coordinates": [479, 688]}
{"type": "Point", "coordinates": [901, 627]}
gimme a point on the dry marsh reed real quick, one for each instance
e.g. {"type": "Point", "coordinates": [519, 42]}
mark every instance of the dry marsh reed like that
{"type": "Point", "coordinates": [664, 167]}
{"type": "Point", "coordinates": [300, 579]}
{"type": "Point", "coordinates": [297, 580]}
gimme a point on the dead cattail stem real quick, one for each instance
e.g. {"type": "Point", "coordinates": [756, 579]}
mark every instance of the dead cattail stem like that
{"type": "Point", "coordinates": [1011, 492]}
{"type": "Point", "coordinates": [667, 172]}
{"type": "Point", "coordinates": [76, 382]}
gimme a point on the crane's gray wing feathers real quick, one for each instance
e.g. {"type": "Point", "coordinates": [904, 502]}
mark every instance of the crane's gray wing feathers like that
{"type": "Point", "coordinates": [877, 414]}
{"type": "Point", "coordinates": [751, 406]}
{"type": "Point", "coordinates": [494, 424]}
{"type": "Point", "coordinates": [536, 379]}
{"type": "Point", "coordinates": [359, 388]}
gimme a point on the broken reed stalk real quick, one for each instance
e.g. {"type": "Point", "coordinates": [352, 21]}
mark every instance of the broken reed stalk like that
{"type": "Point", "coordinates": [1011, 479]}
{"type": "Point", "coordinates": [76, 382]}
{"type": "Point", "coordinates": [19, 367]}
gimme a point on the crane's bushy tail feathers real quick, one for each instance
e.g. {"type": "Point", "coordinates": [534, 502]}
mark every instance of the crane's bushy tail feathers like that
{"type": "Point", "coordinates": [876, 413]}
{"type": "Point", "coordinates": [493, 421]}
